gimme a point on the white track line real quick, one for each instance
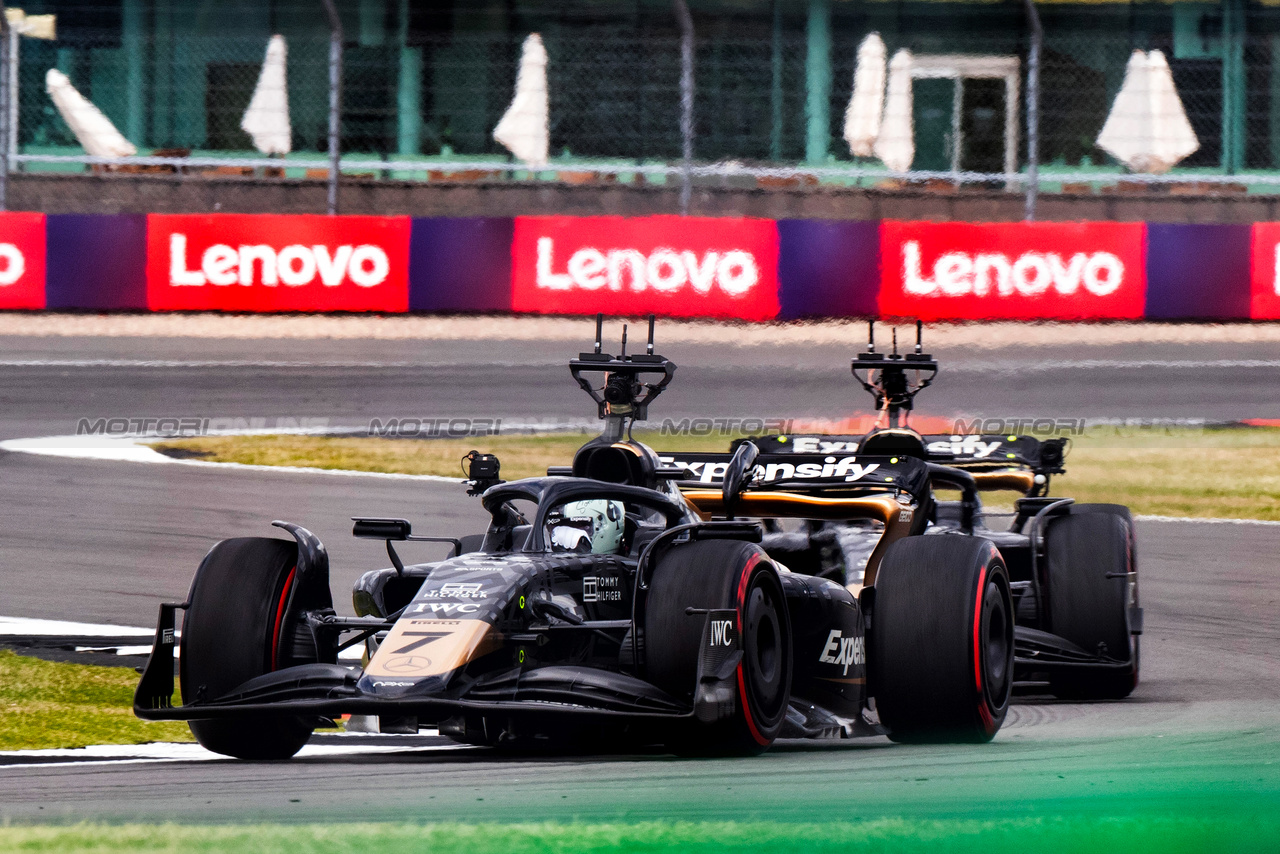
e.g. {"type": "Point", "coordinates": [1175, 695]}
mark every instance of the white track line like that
{"type": "Point", "coordinates": [135, 754]}
{"type": "Point", "coordinates": [1205, 521]}
{"type": "Point", "coordinates": [133, 450]}
{"type": "Point", "coordinates": [247, 363]}
{"type": "Point", "coordinates": [32, 627]}
{"type": "Point", "coordinates": [356, 364]}
{"type": "Point", "coordinates": [1109, 364]}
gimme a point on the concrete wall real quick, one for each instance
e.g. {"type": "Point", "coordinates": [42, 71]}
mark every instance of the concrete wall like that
{"type": "Point", "coordinates": [53, 193]}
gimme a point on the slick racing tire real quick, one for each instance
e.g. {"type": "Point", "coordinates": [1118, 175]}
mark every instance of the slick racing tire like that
{"type": "Point", "coordinates": [713, 575]}
{"type": "Point", "coordinates": [1087, 607]}
{"type": "Point", "coordinates": [230, 635]}
{"type": "Point", "coordinates": [940, 644]}
{"type": "Point", "coordinates": [1113, 510]}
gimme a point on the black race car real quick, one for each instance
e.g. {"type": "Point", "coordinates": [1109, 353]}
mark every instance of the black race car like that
{"type": "Point", "coordinates": [608, 606]}
{"type": "Point", "coordinates": [1072, 567]}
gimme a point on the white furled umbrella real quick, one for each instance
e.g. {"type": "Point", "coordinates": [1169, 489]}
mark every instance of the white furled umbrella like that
{"type": "Point", "coordinates": [93, 130]}
{"type": "Point", "coordinates": [267, 118]}
{"type": "Point", "coordinates": [896, 144]}
{"type": "Point", "coordinates": [1147, 129]}
{"type": "Point", "coordinates": [862, 117]}
{"type": "Point", "coordinates": [524, 127]}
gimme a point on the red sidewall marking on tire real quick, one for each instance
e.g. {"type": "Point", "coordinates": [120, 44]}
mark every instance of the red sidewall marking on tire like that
{"type": "Point", "coordinates": [275, 633]}
{"type": "Point", "coordinates": [983, 711]}
{"type": "Point", "coordinates": [742, 682]}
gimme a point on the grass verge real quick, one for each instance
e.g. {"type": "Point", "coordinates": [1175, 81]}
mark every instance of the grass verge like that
{"type": "Point", "coordinates": [1229, 473]}
{"type": "Point", "coordinates": [1066, 835]}
{"type": "Point", "coordinates": [46, 704]}
{"type": "Point", "coordinates": [521, 455]}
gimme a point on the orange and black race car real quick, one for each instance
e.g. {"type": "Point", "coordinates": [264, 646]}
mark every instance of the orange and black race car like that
{"type": "Point", "coordinates": [1072, 567]}
{"type": "Point", "coordinates": [618, 601]}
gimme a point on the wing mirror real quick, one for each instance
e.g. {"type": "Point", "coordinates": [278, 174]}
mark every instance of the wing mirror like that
{"type": "Point", "coordinates": [738, 475]}
{"type": "Point", "coordinates": [396, 531]}
{"type": "Point", "coordinates": [382, 529]}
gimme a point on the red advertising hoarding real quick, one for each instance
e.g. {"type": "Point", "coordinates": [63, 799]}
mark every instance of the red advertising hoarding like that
{"type": "Point", "coordinates": [668, 265]}
{"type": "Point", "coordinates": [1264, 269]}
{"type": "Point", "coordinates": [22, 273]}
{"type": "Point", "coordinates": [271, 262]}
{"type": "Point", "coordinates": [1012, 271]}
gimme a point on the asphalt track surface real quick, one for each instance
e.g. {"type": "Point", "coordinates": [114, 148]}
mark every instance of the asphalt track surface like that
{"type": "Point", "coordinates": [106, 542]}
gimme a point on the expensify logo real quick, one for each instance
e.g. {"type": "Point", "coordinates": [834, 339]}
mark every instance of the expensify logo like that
{"type": "Point", "coordinates": [846, 468]}
{"type": "Point", "coordinates": [294, 265]}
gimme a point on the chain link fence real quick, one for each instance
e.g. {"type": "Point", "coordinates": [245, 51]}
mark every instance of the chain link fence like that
{"type": "Point", "coordinates": [422, 94]}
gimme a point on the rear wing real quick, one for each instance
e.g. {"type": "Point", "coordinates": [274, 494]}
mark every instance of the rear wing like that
{"type": "Point", "coordinates": [807, 473]}
{"type": "Point", "coordinates": [997, 450]}
{"type": "Point", "coordinates": [1004, 451]}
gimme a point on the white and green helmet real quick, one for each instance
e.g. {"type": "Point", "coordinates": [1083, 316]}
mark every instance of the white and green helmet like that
{"type": "Point", "coordinates": [595, 525]}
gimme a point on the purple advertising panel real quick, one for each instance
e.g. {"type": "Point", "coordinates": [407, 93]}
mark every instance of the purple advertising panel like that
{"type": "Point", "coordinates": [96, 261]}
{"type": "Point", "coordinates": [1198, 271]}
{"type": "Point", "coordinates": [825, 268]}
{"type": "Point", "coordinates": [458, 264]}
{"type": "Point", "coordinates": [828, 268]}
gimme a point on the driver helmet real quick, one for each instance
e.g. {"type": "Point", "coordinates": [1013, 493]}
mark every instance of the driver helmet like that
{"type": "Point", "coordinates": [592, 526]}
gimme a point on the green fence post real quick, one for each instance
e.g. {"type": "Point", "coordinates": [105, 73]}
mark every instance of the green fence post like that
{"type": "Point", "coordinates": [135, 72]}
{"type": "Point", "coordinates": [818, 82]}
{"type": "Point", "coordinates": [1233, 86]}
{"type": "Point", "coordinates": [408, 91]}
{"type": "Point", "coordinates": [775, 89]}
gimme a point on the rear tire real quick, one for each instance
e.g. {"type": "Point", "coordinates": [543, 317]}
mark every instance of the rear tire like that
{"type": "Point", "coordinates": [230, 635]}
{"type": "Point", "coordinates": [1087, 608]}
{"type": "Point", "coordinates": [731, 575]}
{"type": "Point", "coordinates": [940, 645]}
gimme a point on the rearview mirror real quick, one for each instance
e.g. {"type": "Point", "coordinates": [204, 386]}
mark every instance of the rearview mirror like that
{"type": "Point", "coordinates": [738, 474]}
{"type": "Point", "coordinates": [382, 529]}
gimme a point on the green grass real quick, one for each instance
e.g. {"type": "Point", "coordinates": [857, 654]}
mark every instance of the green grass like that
{"type": "Point", "coordinates": [521, 455]}
{"type": "Point", "coordinates": [1213, 473]}
{"type": "Point", "coordinates": [46, 704]}
{"type": "Point", "coordinates": [1166, 834]}
{"type": "Point", "coordinates": [1221, 472]}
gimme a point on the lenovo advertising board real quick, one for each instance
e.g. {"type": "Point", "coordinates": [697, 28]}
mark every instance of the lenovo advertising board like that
{"type": "Point", "coordinates": [1012, 271]}
{"type": "Point", "coordinates": [668, 265]}
{"type": "Point", "coordinates": [1264, 277]}
{"type": "Point", "coordinates": [270, 262]}
{"type": "Point", "coordinates": [22, 272]}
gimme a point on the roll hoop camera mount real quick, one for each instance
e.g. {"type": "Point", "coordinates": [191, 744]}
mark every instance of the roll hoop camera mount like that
{"type": "Point", "coordinates": [886, 375]}
{"type": "Point", "coordinates": [624, 398]}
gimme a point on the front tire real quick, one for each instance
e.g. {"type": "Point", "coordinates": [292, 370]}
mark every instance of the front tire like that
{"type": "Point", "coordinates": [716, 575]}
{"type": "Point", "coordinates": [940, 646]}
{"type": "Point", "coordinates": [231, 633]}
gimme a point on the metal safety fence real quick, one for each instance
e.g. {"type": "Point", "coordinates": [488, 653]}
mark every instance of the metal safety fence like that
{"type": "Point", "coordinates": [1005, 96]}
